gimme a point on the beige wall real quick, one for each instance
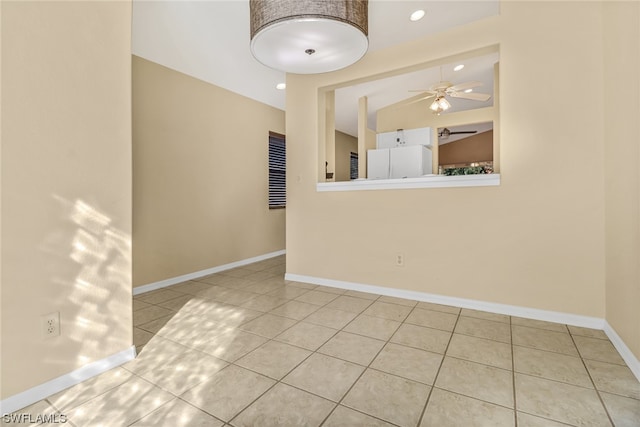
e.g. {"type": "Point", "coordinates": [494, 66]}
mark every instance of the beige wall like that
{"type": "Point", "coordinates": [345, 145]}
{"type": "Point", "coordinates": [66, 186]}
{"type": "Point", "coordinates": [622, 157]}
{"type": "Point", "coordinates": [200, 162]}
{"type": "Point", "coordinates": [537, 240]}
{"type": "Point", "coordinates": [474, 148]}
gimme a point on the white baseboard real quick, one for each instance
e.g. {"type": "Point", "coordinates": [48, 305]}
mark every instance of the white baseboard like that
{"type": "Point", "coordinates": [511, 310]}
{"type": "Point", "coordinates": [37, 393]}
{"type": "Point", "coordinates": [627, 355]}
{"type": "Point", "coordinates": [42, 391]}
{"type": "Point", "coordinates": [191, 276]}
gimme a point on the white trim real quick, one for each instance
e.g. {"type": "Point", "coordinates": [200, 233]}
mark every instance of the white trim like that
{"type": "Point", "coordinates": [179, 279]}
{"type": "Point", "coordinates": [431, 181]}
{"type": "Point", "coordinates": [511, 310]}
{"type": "Point", "coordinates": [627, 355]}
{"type": "Point", "coordinates": [42, 391]}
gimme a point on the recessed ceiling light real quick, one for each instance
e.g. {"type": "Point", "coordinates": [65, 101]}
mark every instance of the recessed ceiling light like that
{"type": "Point", "coordinates": [458, 67]}
{"type": "Point", "coordinates": [281, 86]}
{"type": "Point", "coordinates": [468, 90]}
{"type": "Point", "coordinates": [417, 15]}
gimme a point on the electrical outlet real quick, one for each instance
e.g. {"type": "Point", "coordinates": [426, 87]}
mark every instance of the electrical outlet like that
{"type": "Point", "coordinates": [51, 325]}
{"type": "Point", "coordinates": [399, 259]}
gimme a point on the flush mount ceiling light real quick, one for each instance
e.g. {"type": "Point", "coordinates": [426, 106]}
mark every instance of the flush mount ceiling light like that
{"type": "Point", "coordinates": [307, 36]}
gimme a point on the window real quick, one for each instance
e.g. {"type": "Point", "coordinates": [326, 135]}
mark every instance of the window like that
{"type": "Point", "coordinates": [277, 171]}
{"type": "Point", "coordinates": [353, 169]}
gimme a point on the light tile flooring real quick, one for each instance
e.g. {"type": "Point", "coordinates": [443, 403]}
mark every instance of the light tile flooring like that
{"type": "Point", "coordinates": [246, 348]}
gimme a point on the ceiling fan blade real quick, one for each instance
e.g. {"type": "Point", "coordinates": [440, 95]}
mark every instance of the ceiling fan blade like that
{"type": "Point", "coordinates": [471, 95]}
{"type": "Point", "coordinates": [413, 100]}
{"type": "Point", "coordinates": [445, 133]}
{"type": "Point", "coordinates": [464, 86]}
{"type": "Point", "coordinates": [422, 90]}
{"type": "Point", "coordinates": [422, 98]}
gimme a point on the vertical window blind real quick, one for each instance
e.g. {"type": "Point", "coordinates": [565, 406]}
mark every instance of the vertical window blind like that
{"type": "Point", "coordinates": [277, 171]}
{"type": "Point", "coordinates": [353, 169]}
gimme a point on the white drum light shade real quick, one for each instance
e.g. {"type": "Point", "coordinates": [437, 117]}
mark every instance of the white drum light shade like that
{"type": "Point", "coordinates": [307, 36]}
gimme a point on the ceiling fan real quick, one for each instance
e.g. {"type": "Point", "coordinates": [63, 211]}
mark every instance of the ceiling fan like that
{"type": "Point", "coordinates": [445, 132]}
{"type": "Point", "coordinates": [444, 88]}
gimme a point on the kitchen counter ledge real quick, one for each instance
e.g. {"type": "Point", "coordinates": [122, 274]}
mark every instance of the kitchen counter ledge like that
{"type": "Point", "coordinates": [427, 181]}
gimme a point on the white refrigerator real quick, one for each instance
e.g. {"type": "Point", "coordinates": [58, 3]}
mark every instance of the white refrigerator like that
{"type": "Point", "coordinates": [410, 161]}
{"type": "Point", "coordinates": [378, 163]}
{"type": "Point", "coordinates": [401, 162]}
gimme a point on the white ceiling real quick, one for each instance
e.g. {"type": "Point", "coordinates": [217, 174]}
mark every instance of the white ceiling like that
{"type": "Point", "coordinates": [209, 40]}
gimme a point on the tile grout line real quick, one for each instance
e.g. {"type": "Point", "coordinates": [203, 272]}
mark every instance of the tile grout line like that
{"type": "Point", "coordinates": [154, 385]}
{"type": "Point", "coordinates": [538, 348]}
{"type": "Point", "coordinates": [295, 367]}
{"type": "Point", "coordinates": [551, 380]}
{"type": "Point", "coordinates": [298, 321]}
{"type": "Point", "coordinates": [233, 363]}
{"type": "Point", "coordinates": [242, 323]}
{"type": "Point", "coordinates": [339, 330]}
{"type": "Point", "coordinates": [606, 410]}
{"type": "Point", "coordinates": [435, 378]}
{"type": "Point", "coordinates": [213, 374]}
{"type": "Point", "coordinates": [214, 300]}
{"type": "Point", "coordinates": [342, 330]}
{"type": "Point", "coordinates": [190, 404]}
{"type": "Point", "coordinates": [322, 306]}
{"type": "Point", "coordinates": [546, 418]}
{"type": "Point", "coordinates": [338, 403]}
{"type": "Point", "coordinates": [361, 373]}
{"type": "Point", "coordinates": [135, 374]}
{"type": "Point", "coordinates": [361, 334]}
{"type": "Point", "coordinates": [366, 367]}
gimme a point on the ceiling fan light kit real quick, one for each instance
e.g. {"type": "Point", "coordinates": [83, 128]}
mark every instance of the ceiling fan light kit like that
{"type": "Point", "coordinates": [307, 36]}
{"type": "Point", "coordinates": [440, 104]}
